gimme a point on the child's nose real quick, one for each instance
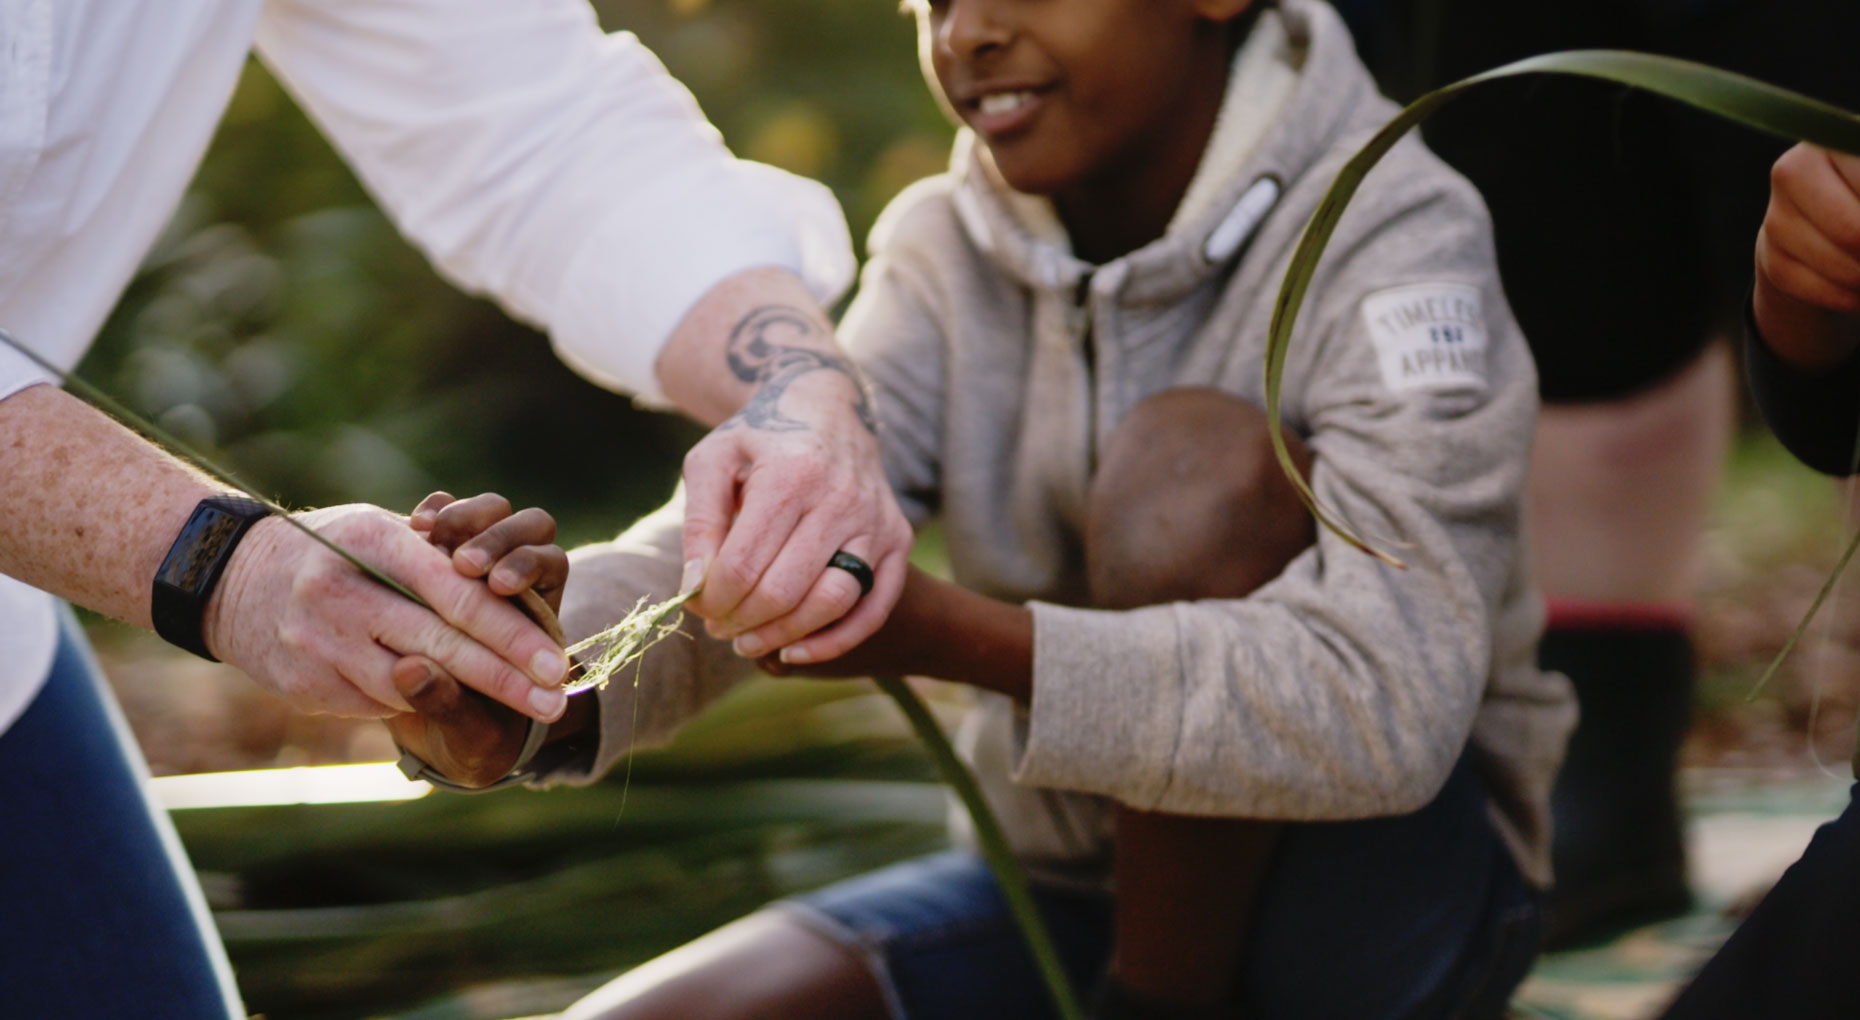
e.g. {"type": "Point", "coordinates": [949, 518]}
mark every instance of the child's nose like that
{"type": "Point", "coordinates": [974, 27]}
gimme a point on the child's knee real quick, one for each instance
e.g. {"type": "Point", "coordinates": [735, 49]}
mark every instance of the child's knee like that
{"type": "Point", "coordinates": [1189, 502]}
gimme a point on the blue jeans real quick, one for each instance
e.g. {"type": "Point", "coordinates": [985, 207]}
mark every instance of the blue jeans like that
{"type": "Point", "coordinates": [1420, 917]}
{"type": "Point", "coordinates": [102, 916]}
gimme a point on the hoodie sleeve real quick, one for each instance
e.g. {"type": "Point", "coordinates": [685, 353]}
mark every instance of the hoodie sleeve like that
{"type": "Point", "coordinates": [678, 678]}
{"type": "Point", "coordinates": [1344, 688]}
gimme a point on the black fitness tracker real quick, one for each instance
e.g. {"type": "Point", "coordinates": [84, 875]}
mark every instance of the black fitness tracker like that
{"type": "Point", "coordinates": [192, 568]}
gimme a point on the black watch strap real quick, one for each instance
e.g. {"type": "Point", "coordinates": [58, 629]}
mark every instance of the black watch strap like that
{"type": "Point", "coordinates": [192, 568]}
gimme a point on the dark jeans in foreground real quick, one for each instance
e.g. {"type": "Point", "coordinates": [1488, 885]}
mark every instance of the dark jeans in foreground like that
{"type": "Point", "coordinates": [102, 917]}
{"type": "Point", "coordinates": [1794, 956]}
{"type": "Point", "coordinates": [1421, 917]}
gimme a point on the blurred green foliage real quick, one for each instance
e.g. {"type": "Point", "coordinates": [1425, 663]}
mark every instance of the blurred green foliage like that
{"type": "Point", "coordinates": [283, 325]}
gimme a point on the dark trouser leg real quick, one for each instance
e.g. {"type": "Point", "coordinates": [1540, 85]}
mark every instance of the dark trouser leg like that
{"type": "Point", "coordinates": [1620, 859]}
{"type": "Point", "coordinates": [1794, 956]}
{"type": "Point", "coordinates": [1188, 503]}
{"type": "Point", "coordinates": [102, 915]}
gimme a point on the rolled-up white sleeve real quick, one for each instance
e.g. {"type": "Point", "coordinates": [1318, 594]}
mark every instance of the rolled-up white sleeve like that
{"type": "Point", "coordinates": [558, 169]}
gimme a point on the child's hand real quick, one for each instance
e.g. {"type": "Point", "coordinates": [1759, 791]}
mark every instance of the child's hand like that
{"type": "Point", "coordinates": [463, 735]}
{"type": "Point", "coordinates": [512, 550]}
{"type": "Point", "coordinates": [1808, 258]}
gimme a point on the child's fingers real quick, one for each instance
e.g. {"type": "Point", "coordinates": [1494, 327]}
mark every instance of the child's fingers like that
{"type": "Point", "coordinates": [427, 512]}
{"type": "Point", "coordinates": [530, 526]}
{"type": "Point", "coordinates": [463, 520]}
{"type": "Point", "coordinates": [540, 568]}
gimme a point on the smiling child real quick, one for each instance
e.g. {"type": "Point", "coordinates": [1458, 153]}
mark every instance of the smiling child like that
{"type": "Point", "coordinates": [1252, 771]}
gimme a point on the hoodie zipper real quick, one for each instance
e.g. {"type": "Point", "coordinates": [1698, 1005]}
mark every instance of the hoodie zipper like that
{"type": "Point", "coordinates": [1088, 351]}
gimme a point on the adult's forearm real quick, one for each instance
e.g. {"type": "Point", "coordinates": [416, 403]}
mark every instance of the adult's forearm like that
{"type": "Point", "coordinates": [792, 474]}
{"type": "Point", "coordinates": [746, 344]}
{"type": "Point", "coordinates": [89, 508]}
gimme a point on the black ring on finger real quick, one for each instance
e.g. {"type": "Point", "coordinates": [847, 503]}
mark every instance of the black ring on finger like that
{"type": "Point", "coordinates": [858, 568]}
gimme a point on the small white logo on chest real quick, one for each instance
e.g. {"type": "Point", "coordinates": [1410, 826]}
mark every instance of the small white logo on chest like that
{"type": "Point", "coordinates": [1429, 336]}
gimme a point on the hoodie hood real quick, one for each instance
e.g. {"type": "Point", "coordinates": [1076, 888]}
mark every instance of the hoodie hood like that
{"type": "Point", "coordinates": [1281, 113]}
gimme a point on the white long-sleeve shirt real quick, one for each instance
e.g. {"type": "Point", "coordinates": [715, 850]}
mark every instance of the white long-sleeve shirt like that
{"type": "Point", "coordinates": [533, 158]}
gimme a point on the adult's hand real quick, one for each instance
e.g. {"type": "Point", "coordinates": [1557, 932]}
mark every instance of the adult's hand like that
{"type": "Point", "coordinates": [304, 622]}
{"type": "Point", "coordinates": [88, 510]}
{"type": "Point", "coordinates": [941, 630]}
{"type": "Point", "coordinates": [791, 476]}
{"type": "Point", "coordinates": [1807, 298]}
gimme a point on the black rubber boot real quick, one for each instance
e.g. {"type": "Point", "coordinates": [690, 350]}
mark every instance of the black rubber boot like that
{"type": "Point", "coordinates": [1618, 849]}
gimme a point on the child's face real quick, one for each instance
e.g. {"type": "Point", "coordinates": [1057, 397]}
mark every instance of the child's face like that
{"type": "Point", "coordinates": [1068, 92]}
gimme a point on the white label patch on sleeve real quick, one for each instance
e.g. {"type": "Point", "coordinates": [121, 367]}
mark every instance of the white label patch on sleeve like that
{"type": "Point", "coordinates": [1429, 336]}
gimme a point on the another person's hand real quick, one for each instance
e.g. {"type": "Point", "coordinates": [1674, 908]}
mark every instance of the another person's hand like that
{"type": "Point", "coordinates": [304, 622]}
{"type": "Point", "coordinates": [1807, 298]}
{"type": "Point", "coordinates": [465, 736]}
{"type": "Point", "coordinates": [895, 649]}
{"type": "Point", "coordinates": [776, 490]}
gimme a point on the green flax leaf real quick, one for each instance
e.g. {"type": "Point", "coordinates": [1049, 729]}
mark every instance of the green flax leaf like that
{"type": "Point", "coordinates": [993, 843]}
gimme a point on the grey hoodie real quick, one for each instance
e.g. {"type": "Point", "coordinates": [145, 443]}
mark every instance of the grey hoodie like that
{"type": "Point", "coordinates": [1342, 689]}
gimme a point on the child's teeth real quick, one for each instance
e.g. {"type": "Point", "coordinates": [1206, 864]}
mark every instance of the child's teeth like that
{"type": "Point", "coordinates": [1004, 102]}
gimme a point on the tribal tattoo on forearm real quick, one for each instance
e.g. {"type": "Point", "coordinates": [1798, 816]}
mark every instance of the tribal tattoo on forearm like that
{"type": "Point", "coordinates": [758, 356]}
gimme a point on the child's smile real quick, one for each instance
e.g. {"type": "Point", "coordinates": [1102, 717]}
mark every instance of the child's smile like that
{"type": "Point", "coordinates": [1103, 105]}
{"type": "Point", "coordinates": [998, 112]}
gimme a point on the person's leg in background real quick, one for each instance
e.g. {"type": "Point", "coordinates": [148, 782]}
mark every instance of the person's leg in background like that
{"type": "Point", "coordinates": [1624, 227]}
{"type": "Point", "coordinates": [1620, 493]}
{"type": "Point", "coordinates": [103, 916]}
{"type": "Point", "coordinates": [1629, 261]}
{"type": "Point", "coordinates": [1599, 240]}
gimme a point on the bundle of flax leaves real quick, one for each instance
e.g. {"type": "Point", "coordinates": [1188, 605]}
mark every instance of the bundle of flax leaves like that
{"type": "Point", "coordinates": [1743, 100]}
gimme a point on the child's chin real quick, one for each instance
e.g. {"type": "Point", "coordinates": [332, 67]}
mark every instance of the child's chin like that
{"type": "Point", "coordinates": [1027, 176]}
